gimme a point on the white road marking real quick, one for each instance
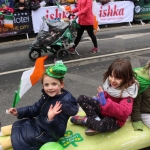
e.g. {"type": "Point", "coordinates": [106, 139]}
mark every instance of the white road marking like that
{"type": "Point", "coordinates": [81, 59]}
{"type": "Point", "coordinates": [128, 36]}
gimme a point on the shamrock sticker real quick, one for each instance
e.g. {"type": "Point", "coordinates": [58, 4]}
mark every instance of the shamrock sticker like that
{"type": "Point", "coordinates": [70, 138]}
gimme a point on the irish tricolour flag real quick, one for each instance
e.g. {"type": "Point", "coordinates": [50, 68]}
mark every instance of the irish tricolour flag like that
{"type": "Point", "coordinates": [63, 8]}
{"type": "Point", "coordinates": [29, 78]}
{"type": "Point", "coordinates": [8, 21]}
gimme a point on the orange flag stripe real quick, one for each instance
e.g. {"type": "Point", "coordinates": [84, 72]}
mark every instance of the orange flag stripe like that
{"type": "Point", "coordinates": [38, 70]}
{"type": "Point", "coordinates": [95, 26]}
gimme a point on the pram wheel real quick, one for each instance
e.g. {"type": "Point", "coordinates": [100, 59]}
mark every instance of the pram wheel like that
{"type": "Point", "coordinates": [63, 55]}
{"type": "Point", "coordinates": [34, 54]}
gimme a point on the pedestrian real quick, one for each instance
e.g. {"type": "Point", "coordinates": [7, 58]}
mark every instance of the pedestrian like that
{"type": "Point", "coordinates": [21, 5]}
{"type": "Point", "coordinates": [109, 110]}
{"type": "Point", "coordinates": [86, 21]}
{"type": "Point", "coordinates": [46, 120]}
{"type": "Point", "coordinates": [141, 106]}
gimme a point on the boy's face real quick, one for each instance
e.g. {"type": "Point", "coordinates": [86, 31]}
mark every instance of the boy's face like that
{"type": "Point", "coordinates": [52, 86]}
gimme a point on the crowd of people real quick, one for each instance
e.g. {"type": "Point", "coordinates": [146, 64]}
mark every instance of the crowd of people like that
{"type": "Point", "coordinates": [18, 5]}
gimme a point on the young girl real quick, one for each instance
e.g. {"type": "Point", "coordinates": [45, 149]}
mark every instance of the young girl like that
{"type": "Point", "coordinates": [141, 108]}
{"type": "Point", "coordinates": [46, 120]}
{"type": "Point", "coordinates": [113, 104]}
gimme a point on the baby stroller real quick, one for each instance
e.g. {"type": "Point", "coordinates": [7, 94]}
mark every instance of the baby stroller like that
{"type": "Point", "coordinates": [56, 40]}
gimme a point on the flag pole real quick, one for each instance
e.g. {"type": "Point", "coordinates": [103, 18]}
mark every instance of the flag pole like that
{"type": "Point", "coordinates": [14, 101]}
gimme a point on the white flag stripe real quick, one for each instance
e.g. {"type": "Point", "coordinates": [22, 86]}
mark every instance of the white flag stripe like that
{"type": "Point", "coordinates": [25, 82]}
{"type": "Point", "coordinates": [8, 21]}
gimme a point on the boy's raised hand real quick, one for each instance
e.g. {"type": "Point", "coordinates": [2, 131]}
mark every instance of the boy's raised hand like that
{"type": "Point", "coordinates": [54, 110]}
{"type": "Point", "coordinates": [13, 111]}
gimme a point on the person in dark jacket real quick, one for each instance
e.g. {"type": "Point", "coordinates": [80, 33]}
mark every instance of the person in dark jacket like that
{"type": "Point", "coordinates": [21, 5]}
{"type": "Point", "coordinates": [141, 106]}
{"type": "Point", "coordinates": [46, 120]}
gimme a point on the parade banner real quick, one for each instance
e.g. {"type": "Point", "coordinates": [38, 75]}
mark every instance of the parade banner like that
{"type": "Point", "coordinates": [21, 24]}
{"type": "Point", "coordinates": [51, 12]}
{"type": "Point", "coordinates": [115, 12]}
{"type": "Point", "coordinates": [142, 10]}
{"type": "Point", "coordinates": [110, 13]}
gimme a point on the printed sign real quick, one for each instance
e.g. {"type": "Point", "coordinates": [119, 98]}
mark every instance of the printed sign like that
{"type": "Point", "coordinates": [142, 10]}
{"type": "Point", "coordinates": [115, 12]}
{"type": "Point", "coordinates": [110, 13]}
{"type": "Point", "coordinates": [22, 24]}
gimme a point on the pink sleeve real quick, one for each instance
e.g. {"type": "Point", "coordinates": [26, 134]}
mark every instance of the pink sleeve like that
{"type": "Point", "coordinates": [119, 110]}
{"type": "Point", "coordinates": [86, 8]}
{"type": "Point", "coordinates": [75, 10]}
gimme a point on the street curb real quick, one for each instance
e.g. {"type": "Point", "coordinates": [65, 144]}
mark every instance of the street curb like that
{"type": "Point", "coordinates": [29, 41]}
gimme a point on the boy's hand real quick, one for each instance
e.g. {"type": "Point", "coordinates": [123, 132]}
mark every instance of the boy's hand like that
{"type": "Point", "coordinates": [13, 111]}
{"type": "Point", "coordinates": [53, 111]}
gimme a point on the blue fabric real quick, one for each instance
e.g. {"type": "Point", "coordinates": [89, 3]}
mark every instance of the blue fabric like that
{"type": "Point", "coordinates": [101, 98]}
{"type": "Point", "coordinates": [34, 131]}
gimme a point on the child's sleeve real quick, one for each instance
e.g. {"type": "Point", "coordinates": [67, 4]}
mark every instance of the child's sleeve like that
{"type": "Point", "coordinates": [30, 111]}
{"type": "Point", "coordinates": [136, 115]}
{"type": "Point", "coordinates": [70, 106]}
{"type": "Point", "coordinates": [138, 126]}
{"type": "Point", "coordinates": [119, 110]}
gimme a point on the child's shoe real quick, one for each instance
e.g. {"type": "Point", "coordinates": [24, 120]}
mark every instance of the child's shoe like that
{"type": "Point", "coordinates": [80, 120]}
{"type": "Point", "coordinates": [94, 50]}
{"type": "Point", "coordinates": [71, 50]}
{"type": "Point", "coordinates": [90, 132]}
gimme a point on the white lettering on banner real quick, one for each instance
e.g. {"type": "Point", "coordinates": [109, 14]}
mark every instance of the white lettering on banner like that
{"type": "Point", "coordinates": [145, 9]}
{"type": "Point", "coordinates": [111, 11]}
{"type": "Point", "coordinates": [21, 19]}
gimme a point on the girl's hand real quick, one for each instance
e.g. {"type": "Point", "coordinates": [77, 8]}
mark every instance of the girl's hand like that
{"type": "Point", "coordinates": [99, 89]}
{"type": "Point", "coordinates": [13, 111]}
{"type": "Point", "coordinates": [53, 111]}
{"type": "Point", "coordinates": [100, 96]}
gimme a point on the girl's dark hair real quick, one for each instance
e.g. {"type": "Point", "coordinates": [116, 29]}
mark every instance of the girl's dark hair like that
{"type": "Point", "coordinates": [121, 69]}
{"type": "Point", "coordinates": [60, 79]}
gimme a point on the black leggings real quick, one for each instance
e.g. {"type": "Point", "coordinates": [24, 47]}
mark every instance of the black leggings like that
{"type": "Point", "coordinates": [89, 29]}
{"type": "Point", "coordinates": [92, 110]}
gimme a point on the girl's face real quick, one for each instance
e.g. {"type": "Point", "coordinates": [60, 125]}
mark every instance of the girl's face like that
{"type": "Point", "coordinates": [21, 1]}
{"type": "Point", "coordinates": [52, 86]}
{"type": "Point", "coordinates": [115, 82]}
